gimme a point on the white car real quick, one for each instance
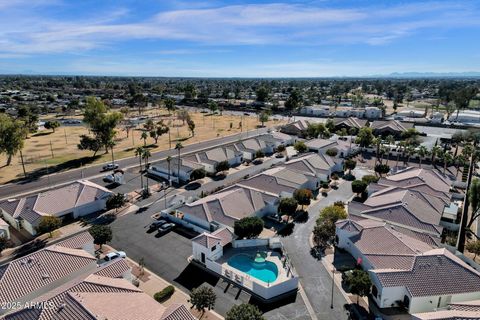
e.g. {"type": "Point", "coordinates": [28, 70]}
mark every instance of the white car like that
{"type": "Point", "coordinates": [114, 255]}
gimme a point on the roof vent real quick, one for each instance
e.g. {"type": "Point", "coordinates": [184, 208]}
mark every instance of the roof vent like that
{"type": "Point", "coordinates": [61, 306]}
{"type": "Point", "coordinates": [45, 276]}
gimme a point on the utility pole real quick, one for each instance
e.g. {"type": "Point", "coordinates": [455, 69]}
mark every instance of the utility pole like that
{"type": "Point", "coordinates": [65, 133]}
{"type": "Point", "coordinates": [23, 164]}
{"type": "Point", "coordinates": [169, 140]}
{"type": "Point", "coordinates": [333, 285]}
{"type": "Point", "coordinates": [51, 148]}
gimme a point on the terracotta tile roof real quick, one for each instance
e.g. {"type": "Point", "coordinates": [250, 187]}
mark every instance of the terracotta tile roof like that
{"type": "Point", "coordinates": [313, 163]}
{"type": "Point", "coordinates": [447, 315]}
{"type": "Point", "coordinates": [37, 270]}
{"type": "Point", "coordinates": [177, 312]}
{"type": "Point", "coordinates": [225, 234]}
{"type": "Point", "coordinates": [229, 205]}
{"type": "Point", "coordinates": [417, 176]}
{"type": "Point", "coordinates": [350, 122]}
{"type": "Point", "coordinates": [321, 143]}
{"type": "Point", "coordinates": [431, 275]}
{"type": "Point", "coordinates": [295, 127]}
{"type": "Point", "coordinates": [207, 240]}
{"type": "Point", "coordinates": [393, 125]}
{"type": "Point", "coordinates": [77, 242]}
{"type": "Point", "coordinates": [115, 269]}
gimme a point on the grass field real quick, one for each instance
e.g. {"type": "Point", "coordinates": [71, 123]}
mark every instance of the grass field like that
{"type": "Point", "coordinates": [50, 152]}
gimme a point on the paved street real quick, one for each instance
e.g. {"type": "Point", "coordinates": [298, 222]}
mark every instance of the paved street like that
{"type": "Point", "coordinates": [313, 276]}
{"type": "Point", "coordinates": [93, 171]}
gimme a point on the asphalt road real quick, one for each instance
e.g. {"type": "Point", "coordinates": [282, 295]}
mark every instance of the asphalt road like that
{"type": "Point", "coordinates": [27, 186]}
{"type": "Point", "coordinates": [314, 278]}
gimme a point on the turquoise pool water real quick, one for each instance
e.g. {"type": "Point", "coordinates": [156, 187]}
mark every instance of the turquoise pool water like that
{"type": "Point", "coordinates": [266, 271]}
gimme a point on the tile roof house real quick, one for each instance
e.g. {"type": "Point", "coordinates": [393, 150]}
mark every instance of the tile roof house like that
{"type": "Point", "coordinates": [228, 206]}
{"type": "Point", "coordinates": [26, 278]}
{"type": "Point", "coordinates": [434, 280]}
{"type": "Point", "coordinates": [161, 169]}
{"type": "Point", "coordinates": [296, 128]}
{"type": "Point", "coordinates": [390, 127]}
{"type": "Point", "coordinates": [73, 200]}
{"type": "Point", "coordinates": [209, 159]}
{"type": "Point", "coordinates": [210, 245]}
{"type": "Point", "coordinates": [320, 166]}
{"type": "Point", "coordinates": [409, 209]}
{"type": "Point", "coordinates": [350, 122]}
{"type": "Point", "coordinates": [250, 147]}
{"type": "Point", "coordinates": [344, 148]}
{"type": "Point", "coordinates": [396, 250]}
{"type": "Point", "coordinates": [454, 311]}
{"type": "Point", "coordinates": [280, 181]}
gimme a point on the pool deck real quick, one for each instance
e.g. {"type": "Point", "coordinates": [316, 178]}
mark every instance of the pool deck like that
{"type": "Point", "coordinates": [272, 256]}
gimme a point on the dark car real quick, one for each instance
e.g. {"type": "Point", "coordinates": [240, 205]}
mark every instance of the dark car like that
{"type": "Point", "coordinates": [157, 224]}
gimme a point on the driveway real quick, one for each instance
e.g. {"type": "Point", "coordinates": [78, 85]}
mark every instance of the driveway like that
{"type": "Point", "coordinates": [314, 278]}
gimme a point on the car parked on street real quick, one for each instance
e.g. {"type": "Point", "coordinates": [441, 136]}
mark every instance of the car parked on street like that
{"type": "Point", "coordinates": [114, 255]}
{"type": "Point", "coordinates": [110, 166]}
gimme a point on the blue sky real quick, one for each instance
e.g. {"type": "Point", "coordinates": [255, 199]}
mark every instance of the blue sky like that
{"type": "Point", "coordinates": [238, 38]}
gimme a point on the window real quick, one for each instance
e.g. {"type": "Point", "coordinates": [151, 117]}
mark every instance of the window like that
{"type": "Point", "coordinates": [213, 248]}
{"type": "Point", "coordinates": [406, 302]}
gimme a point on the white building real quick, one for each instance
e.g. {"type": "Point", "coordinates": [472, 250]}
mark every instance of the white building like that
{"type": "Point", "coordinates": [373, 113]}
{"type": "Point", "coordinates": [411, 113]}
{"type": "Point", "coordinates": [72, 201]}
{"type": "Point", "coordinates": [164, 169]}
{"type": "Point", "coordinates": [321, 111]}
{"type": "Point", "coordinates": [4, 229]}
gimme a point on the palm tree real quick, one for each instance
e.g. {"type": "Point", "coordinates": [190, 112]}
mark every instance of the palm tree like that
{"type": "Point", "coordinates": [139, 154]}
{"type": "Point", "coordinates": [461, 161]}
{"type": "Point", "coordinates": [422, 153]}
{"type": "Point", "coordinates": [169, 159]}
{"type": "Point", "coordinates": [178, 146]}
{"type": "Point", "coordinates": [447, 158]}
{"type": "Point", "coordinates": [401, 146]}
{"type": "Point", "coordinates": [352, 132]}
{"type": "Point", "coordinates": [391, 141]}
{"type": "Point", "coordinates": [376, 142]}
{"type": "Point", "coordinates": [410, 152]}
{"type": "Point", "coordinates": [145, 155]}
{"type": "Point", "coordinates": [436, 150]}
{"type": "Point", "coordinates": [144, 137]}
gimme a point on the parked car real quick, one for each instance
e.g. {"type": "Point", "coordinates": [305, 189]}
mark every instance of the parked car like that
{"type": "Point", "coordinates": [110, 166]}
{"type": "Point", "coordinates": [109, 178]}
{"type": "Point", "coordinates": [114, 255]}
{"type": "Point", "coordinates": [157, 224]}
{"type": "Point", "coordinates": [166, 227]}
{"type": "Point", "coordinates": [257, 161]}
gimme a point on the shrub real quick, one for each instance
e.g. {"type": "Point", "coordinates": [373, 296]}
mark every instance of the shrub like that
{"type": "Point", "coordinates": [300, 146]}
{"type": "Point", "coordinates": [163, 295]}
{"type": "Point", "coordinates": [359, 186]}
{"type": "Point", "coordinates": [332, 152]}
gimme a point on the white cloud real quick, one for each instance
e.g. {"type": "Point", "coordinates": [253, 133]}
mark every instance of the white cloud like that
{"type": "Point", "coordinates": [251, 24]}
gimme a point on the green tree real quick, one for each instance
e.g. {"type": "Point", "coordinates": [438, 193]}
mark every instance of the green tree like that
{"type": "Point", "coordinates": [248, 227]}
{"type": "Point", "coordinates": [294, 101]}
{"type": "Point", "coordinates": [179, 147]}
{"type": "Point", "coordinates": [382, 169]}
{"type": "Point", "coordinates": [350, 164]}
{"type": "Point", "coordinates": [89, 143]}
{"type": "Point", "coordinates": [183, 115]}
{"type": "Point", "coordinates": [49, 224]}
{"type": "Point", "coordinates": [170, 105]}
{"type": "Point", "coordinates": [144, 137]}
{"type": "Point", "coordinates": [473, 247]}
{"type": "Point", "coordinates": [101, 234]}
{"type": "Point", "coordinates": [300, 146]}
{"type": "Point", "coordinates": [262, 94]}
{"type": "Point", "coordinates": [52, 125]}
{"type": "Point", "coordinates": [263, 118]}
{"type": "Point", "coordinates": [370, 178]}
{"type": "Point", "coordinates": [102, 123]}
{"type": "Point", "coordinates": [422, 153]}
{"type": "Point", "coordinates": [191, 126]}
{"type": "Point", "coordinates": [359, 187]}
{"type": "Point", "coordinates": [213, 106]}
{"type": "Point", "coordinates": [116, 201]}
{"type": "Point", "coordinates": [303, 197]}
{"type": "Point", "coordinates": [244, 311]}
{"type": "Point", "coordinates": [365, 137]}
{"type": "Point", "coordinates": [332, 214]}
{"type": "Point", "coordinates": [287, 206]}
{"type": "Point", "coordinates": [202, 298]}
{"type": "Point", "coordinates": [198, 174]}
{"type": "Point", "coordinates": [158, 131]}
{"type": "Point", "coordinates": [12, 136]}
{"type": "Point", "coordinates": [222, 166]}
{"type": "Point", "coordinates": [358, 282]}
{"type": "Point", "coordinates": [332, 152]}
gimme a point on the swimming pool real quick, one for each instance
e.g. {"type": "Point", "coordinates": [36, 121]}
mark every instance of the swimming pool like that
{"type": "Point", "coordinates": [266, 271]}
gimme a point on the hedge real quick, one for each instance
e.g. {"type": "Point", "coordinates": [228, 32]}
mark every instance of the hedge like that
{"type": "Point", "coordinates": [163, 295]}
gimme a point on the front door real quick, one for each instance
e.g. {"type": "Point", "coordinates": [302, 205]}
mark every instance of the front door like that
{"type": "Point", "coordinates": [203, 257]}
